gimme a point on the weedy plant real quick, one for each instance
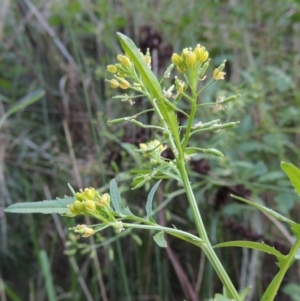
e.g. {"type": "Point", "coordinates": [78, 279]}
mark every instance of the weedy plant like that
{"type": "Point", "coordinates": [133, 72]}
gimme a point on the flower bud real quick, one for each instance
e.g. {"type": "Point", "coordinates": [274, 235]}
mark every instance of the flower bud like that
{"type": "Point", "coordinates": [80, 195]}
{"type": "Point", "coordinates": [89, 206]}
{"type": "Point", "coordinates": [124, 84]}
{"type": "Point", "coordinates": [112, 68]}
{"type": "Point", "coordinates": [106, 198]}
{"type": "Point", "coordinates": [147, 58]}
{"type": "Point", "coordinates": [103, 201]}
{"type": "Point", "coordinates": [84, 230]}
{"type": "Point", "coordinates": [88, 232]}
{"type": "Point", "coordinates": [124, 60]}
{"type": "Point", "coordinates": [143, 146]}
{"type": "Point", "coordinates": [72, 209]}
{"type": "Point", "coordinates": [190, 58]}
{"type": "Point", "coordinates": [201, 53]}
{"type": "Point", "coordinates": [118, 226]}
{"type": "Point", "coordinates": [185, 53]}
{"type": "Point", "coordinates": [114, 83]}
{"type": "Point", "coordinates": [90, 193]}
{"type": "Point", "coordinates": [78, 206]}
{"type": "Point", "coordinates": [176, 59]}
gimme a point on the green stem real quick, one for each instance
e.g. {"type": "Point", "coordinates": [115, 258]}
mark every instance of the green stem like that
{"type": "Point", "coordinates": [189, 126]}
{"type": "Point", "coordinates": [206, 247]}
{"type": "Point", "coordinates": [273, 287]}
{"type": "Point", "coordinates": [178, 233]}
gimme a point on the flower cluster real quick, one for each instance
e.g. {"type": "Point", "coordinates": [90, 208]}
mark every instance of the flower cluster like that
{"type": "Point", "coordinates": [189, 58]}
{"type": "Point", "coordinates": [124, 69]}
{"type": "Point", "coordinates": [89, 201]}
{"type": "Point", "coordinates": [153, 149]}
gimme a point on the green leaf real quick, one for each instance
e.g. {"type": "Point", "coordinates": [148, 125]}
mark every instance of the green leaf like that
{"type": "Point", "coordinates": [266, 210]}
{"type": "Point", "coordinates": [219, 297]}
{"type": "Point", "coordinates": [167, 108]}
{"type": "Point", "coordinates": [117, 201]}
{"type": "Point", "coordinates": [297, 255]}
{"type": "Point", "coordinates": [47, 207]}
{"type": "Point", "coordinates": [160, 240]}
{"type": "Point", "coordinates": [150, 199]}
{"type": "Point", "coordinates": [293, 173]}
{"type": "Point", "coordinates": [296, 230]}
{"type": "Point", "coordinates": [22, 103]}
{"type": "Point", "coordinates": [140, 181]}
{"type": "Point", "coordinates": [46, 270]}
{"type": "Point", "coordinates": [292, 290]}
{"type": "Point", "coordinates": [245, 292]}
{"type": "Point", "coordinates": [251, 245]}
{"type": "Point", "coordinates": [272, 286]}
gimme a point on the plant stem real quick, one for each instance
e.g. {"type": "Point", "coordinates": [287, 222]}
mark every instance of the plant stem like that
{"type": "Point", "coordinates": [206, 247]}
{"type": "Point", "coordinates": [189, 126]}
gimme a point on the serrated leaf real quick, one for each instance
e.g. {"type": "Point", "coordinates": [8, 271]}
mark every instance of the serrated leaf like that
{"type": "Point", "coordinates": [150, 199]}
{"type": "Point", "coordinates": [117, 201]}
{"type": "Point", "coordinates": [160, 240]}
{"type": "Point", "coordinates": [251, 245]}
{"type": "Point", "coordinates": [266, 210]}
{"type": "Point", "coordinates": [47, 207]}
{"type": "Point", "coordinates": [293, 174]}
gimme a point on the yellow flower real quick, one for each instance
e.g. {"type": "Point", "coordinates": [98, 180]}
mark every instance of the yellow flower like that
{"type": "Point", "coordinates": [218, 75]}
{"type": "Point", "coordinates": [84, 230]}
{"type": "Point", "coordinates": [88, 232]}
{"type": "Point", "coordinates": [124, 60]}
{"type": "Point", "coordinates": [124, 84]}
{"type": "Point", "coordinates": [201, 53]}
{"type": "Point", "coordinates": [190, 58]}
{"type": "Point", "coordinates": [176, 59]}
{"type": "Point", "coordinates": [103, 201]}
{"type": "Point", "coordinates": [72, 209]}
{"type": "Point", "coordinates": [143, 146]}
{"type": "Point", "coordinates": [90, 193]}
{"type": "Point", "coordinates": [89, 206]}
{"type": "Point", "coordinates": [78, 206]}
{"type": "Point", "coordinates": [112, 68]}
{"type": "Point", "coordinates": [80, 195]}
{"type": "Point", "coordinates": [114, 83]}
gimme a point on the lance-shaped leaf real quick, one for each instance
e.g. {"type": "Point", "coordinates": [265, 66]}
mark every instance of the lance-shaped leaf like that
{"type": "Point", "coordinates": [166, 107]}
{"type": "Point", "coordinates": [117, 201]}
{"type": "Point", "coordinates": [293, 173]}
{"type": "Point", "coordinates": [150, 200]}
{"type": "Point", "coordinates": [266, 210]}
{"type": "Point", "coordinates": [47, 207]}
{"type": "Point", "coordinates": [251, 245]}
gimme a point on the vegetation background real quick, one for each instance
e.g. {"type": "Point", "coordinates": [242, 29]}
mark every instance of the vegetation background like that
{"type": "Point", "coordinates": [63, 47]}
